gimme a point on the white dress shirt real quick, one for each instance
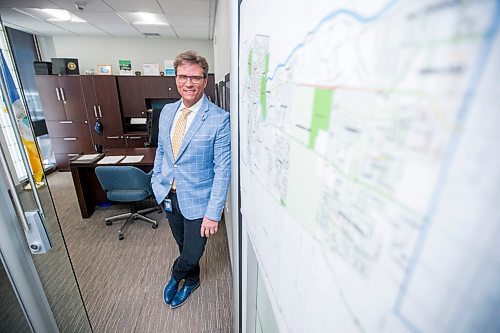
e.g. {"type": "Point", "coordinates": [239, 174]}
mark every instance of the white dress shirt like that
{"type": "Point", "coordinates": [194, 109]}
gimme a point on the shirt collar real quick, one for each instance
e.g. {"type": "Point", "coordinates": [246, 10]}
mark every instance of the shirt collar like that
{"type": "Point", "coordinates": [194, 109]}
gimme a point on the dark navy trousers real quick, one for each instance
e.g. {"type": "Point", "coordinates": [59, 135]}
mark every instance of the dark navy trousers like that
{"type": "Point", "coordinates": [191, 245]}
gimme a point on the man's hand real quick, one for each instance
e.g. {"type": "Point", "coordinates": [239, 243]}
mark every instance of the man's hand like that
{"type": "Point", "coordinates": [208, 227]}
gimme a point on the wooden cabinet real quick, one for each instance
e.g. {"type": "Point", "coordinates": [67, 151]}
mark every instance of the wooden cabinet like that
{"type": "Point", "coordinates": [61, 97]}
{"type": "Point", "coordinates": [136, 140]}
{"type": "Point", "coordinates": [66, 119]}
{"type": "Point", "coordinates": [154, 86]}
{"type": "Point", "coordinates": [131, 96]}
{"type": "Point", "coordinates": [72, 104]}
{"type": "Point", "coordinates": [172, 91]}
{"type": "Point", "coordinates": [102, 103]}
{"type": "Point", "coordinates": [135, 90]}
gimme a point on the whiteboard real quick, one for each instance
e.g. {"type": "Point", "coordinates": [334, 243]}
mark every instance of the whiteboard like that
{"type": "Point", "coordinates": [369, 160]}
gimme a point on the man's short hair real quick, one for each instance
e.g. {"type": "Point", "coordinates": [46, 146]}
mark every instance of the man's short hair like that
{"type": "Point", "coordinates": [191, 57]}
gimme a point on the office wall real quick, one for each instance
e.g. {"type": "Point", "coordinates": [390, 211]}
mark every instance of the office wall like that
{"type": "Point", "coordinates": [93, 51]}
{"type": "Point", "coordinates": [46, 46]}
{"type": "Point", "coordinates": [222, 59]}
{"type": "Point", "coordinates": [222, 34]}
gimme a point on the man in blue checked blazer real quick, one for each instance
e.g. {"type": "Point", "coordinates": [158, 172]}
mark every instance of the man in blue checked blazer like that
{"type": "Point", "coordinates": [191, 171]}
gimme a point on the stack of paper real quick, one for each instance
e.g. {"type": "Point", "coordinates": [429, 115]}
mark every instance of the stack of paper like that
{"type": "Point", "coordinates": [132, 159]}
{"type": "Point", "coordinates": [111, 159]}
{"type": "Point", "coordinates": [86, 159]}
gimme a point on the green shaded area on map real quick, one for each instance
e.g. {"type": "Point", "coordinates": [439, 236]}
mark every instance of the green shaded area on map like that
{"type": "Point", "coordinates": [322, 106]}
{"type": "Point", "coordinates": [250, 62]}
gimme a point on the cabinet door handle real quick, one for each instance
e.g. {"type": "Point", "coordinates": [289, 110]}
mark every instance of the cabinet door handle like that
{"type": "Point", "coordinates": [134, 137]}
{"type": "Point", "coordinates": [62, 95]}
{"type": "Point", "coordinates": [69, 139]}
{"type": "Point", "coordinates": [57, 93]}
{"type": "Point", "coordinates": [95, 111]}
{"type": "Point", "coordinates": [112, 137]}
{"type": "Point", "coordinates": [99, 108]}
{"type": "Point", "coordinates": [72, 155]}
{"type": "Point", "coordinates": [66, 122]}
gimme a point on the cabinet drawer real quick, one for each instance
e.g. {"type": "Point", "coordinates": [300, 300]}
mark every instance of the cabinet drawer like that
{"type": "Point", "coordinates": [72, 145]}
{"type": "Point", "coordinates": [63, 129]}
{"type": "Point", "coordinates": [135, 141]}
{"type": "Point", "coordinates": [117, 141]}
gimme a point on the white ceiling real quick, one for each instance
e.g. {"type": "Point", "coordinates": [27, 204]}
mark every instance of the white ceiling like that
{"type": "Point", "coordinates": [188, 19]}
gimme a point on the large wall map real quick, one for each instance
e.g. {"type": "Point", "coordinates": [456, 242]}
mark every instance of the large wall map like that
{"type": "Point", "coordinates": [370, 165]}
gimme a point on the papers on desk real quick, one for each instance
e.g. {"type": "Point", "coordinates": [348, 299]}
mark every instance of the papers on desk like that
{"type": "Point", "coordinates": [86, 158]}
{"type": "Point", "coordinates": [121, 159]}
{"type": "Point", "coordinates": [111, 159]}
{"type": "Point", "coordinates": [132, 159]}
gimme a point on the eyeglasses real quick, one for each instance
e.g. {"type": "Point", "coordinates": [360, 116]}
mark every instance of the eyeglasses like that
{"type": "Point", "coordinates": [194, 79]}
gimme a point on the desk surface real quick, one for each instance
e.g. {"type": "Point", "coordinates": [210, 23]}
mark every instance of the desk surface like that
{"type": "Point", "coordinates": [148, 159]}
{"type": "Point", "coordinates": [87, 186]}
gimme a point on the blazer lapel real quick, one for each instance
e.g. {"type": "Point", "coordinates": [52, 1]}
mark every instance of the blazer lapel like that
{"type": "Point", "coordinates": [198, 120]}
{"type": "Point", "coordinates": [168, 122]}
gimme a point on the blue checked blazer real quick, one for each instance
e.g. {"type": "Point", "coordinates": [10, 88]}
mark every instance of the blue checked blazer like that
{"type": "Point", "coordinates": [202, 169]}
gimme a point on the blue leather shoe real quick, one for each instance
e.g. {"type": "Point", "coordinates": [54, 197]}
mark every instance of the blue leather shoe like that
{"type": "Point", "coordinates": [170, 290]}
{"type": "Point", "coordinates": [182, 295]}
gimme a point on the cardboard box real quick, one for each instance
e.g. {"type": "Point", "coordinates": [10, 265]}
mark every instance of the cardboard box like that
{"type": "Point", "coordinates": [42, 67]}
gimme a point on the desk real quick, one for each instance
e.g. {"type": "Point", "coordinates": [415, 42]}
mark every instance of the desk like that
{"type": "Point", "coordinates": [87, 186]}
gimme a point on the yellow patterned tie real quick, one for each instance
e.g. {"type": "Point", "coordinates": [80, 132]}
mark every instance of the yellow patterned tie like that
{"type": "Point", "coordinates": [180, 128]}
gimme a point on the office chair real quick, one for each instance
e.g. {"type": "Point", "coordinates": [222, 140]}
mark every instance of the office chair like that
{"type": "Point", "coordinates": [127, 184]}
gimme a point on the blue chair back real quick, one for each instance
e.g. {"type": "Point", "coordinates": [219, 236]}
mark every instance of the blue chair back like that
{"type": "Point", "coordinates": [124, 183]}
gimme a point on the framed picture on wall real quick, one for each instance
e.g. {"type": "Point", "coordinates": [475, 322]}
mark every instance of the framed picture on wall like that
{"type": "Point", "coordinates": [104, 70]}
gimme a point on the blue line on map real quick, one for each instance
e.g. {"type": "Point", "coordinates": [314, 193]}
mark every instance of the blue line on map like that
{"type": "Point", "coordinates": [331, 16]}
{"type": "Point", "coordinates": [481, 62]}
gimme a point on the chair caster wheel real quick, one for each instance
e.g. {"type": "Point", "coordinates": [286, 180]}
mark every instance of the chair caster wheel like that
{"type": "Point", "coordinates": [154, 226]}
{"type": "Point", "coordinates": [121, 237]}
{"type": "Point", "coordinates": [108, 223]}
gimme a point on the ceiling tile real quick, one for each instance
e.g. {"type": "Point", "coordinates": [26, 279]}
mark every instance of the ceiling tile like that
{"type": "Point", "coordinates": [185, 7]}
{"type": "Point", "coordinates": [90, 5]}
{"type": "Point", "coordinates": [132, 17]}
{"type": "Point", "coordinates": [100, 17]}
{"type": "Point", "coordinates": [82, 29]}
{"type": "Point", "coordinates": [188, 18]}
{"type": "Point", "coordinates": [13, 15]}
{"type": "Point", "coordinates": [182, 21]}
{"type": "Point", "coordinates": [148, 6]}
{"type": "Point", "coordinates": [120, 30]}
{"type": "Point", "coordinates": [191, 33]}
{"type": "Point", "coordinates": [27, 4]}
{"type": "Point", "coordinates": [39, 28]}
{"type": "Point", "coordinates": [163, 30]}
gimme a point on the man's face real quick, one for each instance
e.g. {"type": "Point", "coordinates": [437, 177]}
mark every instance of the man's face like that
{"type": "Point", "coordinates": [190, 91]}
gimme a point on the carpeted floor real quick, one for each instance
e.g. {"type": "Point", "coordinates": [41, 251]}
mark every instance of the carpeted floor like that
{"type": "Point", "coordinates": [122, 281]}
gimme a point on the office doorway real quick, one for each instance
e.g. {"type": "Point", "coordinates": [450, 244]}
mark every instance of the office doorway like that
{"type": "Point", "coordinates": [37, 272]}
